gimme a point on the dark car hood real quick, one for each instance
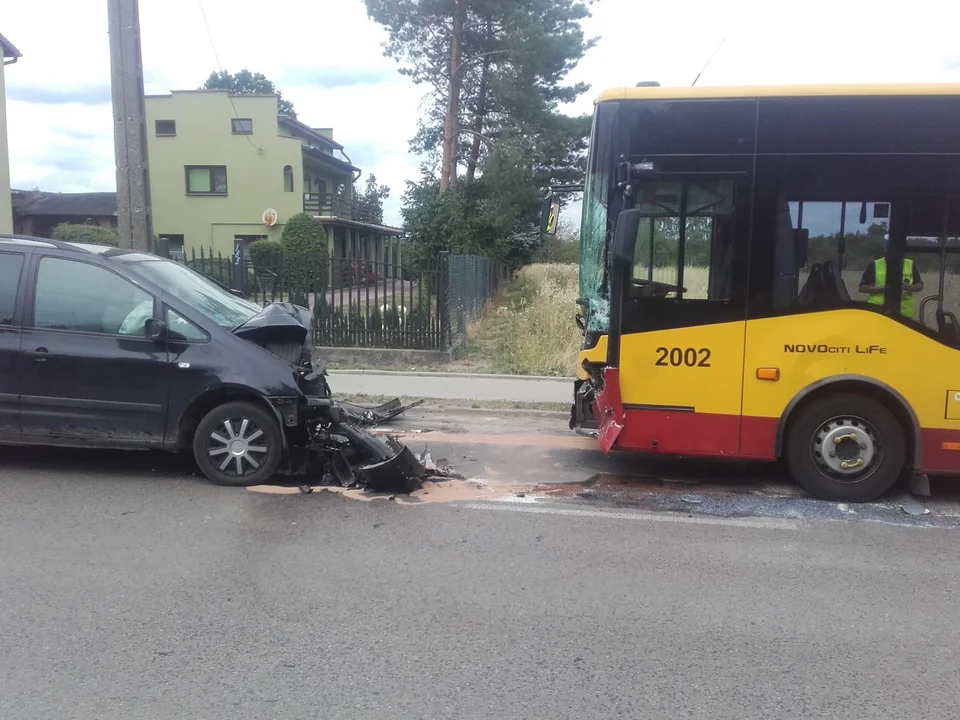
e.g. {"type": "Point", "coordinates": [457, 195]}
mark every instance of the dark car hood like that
{"type": "Point", "coordinates": [277, 323]}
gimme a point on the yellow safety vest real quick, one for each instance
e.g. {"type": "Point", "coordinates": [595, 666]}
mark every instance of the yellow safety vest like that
{"type": "Point", "coordinates": [880, 280]}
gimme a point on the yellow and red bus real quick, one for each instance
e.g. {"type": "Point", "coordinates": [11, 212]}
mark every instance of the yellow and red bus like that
{"type": "Point", "coordinates": [773, 273]}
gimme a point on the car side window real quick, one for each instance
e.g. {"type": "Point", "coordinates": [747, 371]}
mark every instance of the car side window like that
{"type": "Point", "coordinates": [182, 329]}
{"type": "Point", "coordinates": [10, 266]}
{"type": "Point", "coordinates": [78, 296]}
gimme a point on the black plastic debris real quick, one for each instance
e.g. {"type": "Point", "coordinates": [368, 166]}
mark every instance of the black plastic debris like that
{"type": "Point", "coordinates": [369, 416]}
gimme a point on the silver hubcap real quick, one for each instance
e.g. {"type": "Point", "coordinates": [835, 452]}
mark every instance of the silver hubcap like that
{"type": "Point", "coordinates": [234, 448]}
{"type": "Point", "coordinates": [846, 447]}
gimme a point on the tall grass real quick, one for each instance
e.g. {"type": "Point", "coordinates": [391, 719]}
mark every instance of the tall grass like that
{"type": "Point", "coordinates": [536, 332]}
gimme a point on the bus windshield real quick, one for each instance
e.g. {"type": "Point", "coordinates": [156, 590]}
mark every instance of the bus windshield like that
{"type": "Point", "coordinates": [595, 226]}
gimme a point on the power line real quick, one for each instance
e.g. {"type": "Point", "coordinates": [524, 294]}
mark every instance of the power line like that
{"type": "Point", "coordinates": [206, 24]}
{"type": "Point", "coordinates": [708, 62]}
{"type": "Point", "coordinates": [216, 58]}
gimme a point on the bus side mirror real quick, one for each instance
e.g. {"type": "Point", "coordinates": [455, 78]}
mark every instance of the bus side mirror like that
{"type": "Point", "coordinates": [801, 244]}
{"type": "Point", "coordinates": [625, 237]}
{"type": "Point", "coordinates": [549, 214]}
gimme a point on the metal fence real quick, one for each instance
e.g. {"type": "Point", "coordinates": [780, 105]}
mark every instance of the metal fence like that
{"type": "Point", "coordinates": [470, 282]}
{"type": "Point", "coordinates": [368, 304]}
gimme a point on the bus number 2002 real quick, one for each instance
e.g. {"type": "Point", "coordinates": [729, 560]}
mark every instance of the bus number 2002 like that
{"type": "Point", "coordinates": [691, 357]}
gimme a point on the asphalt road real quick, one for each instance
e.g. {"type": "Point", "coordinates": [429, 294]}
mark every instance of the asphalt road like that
{"type": "Point", "coordinates": [131, 589]}
{"type": "Point", "coordinates": [452, 386]}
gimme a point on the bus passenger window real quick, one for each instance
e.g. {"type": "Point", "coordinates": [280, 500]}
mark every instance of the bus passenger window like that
{"type": "Point", "coordinates": [831, 253]}
{"type": "Point", "coordinates": [685, 241]}
{"type": "Point", "coordinates": [933, 247]}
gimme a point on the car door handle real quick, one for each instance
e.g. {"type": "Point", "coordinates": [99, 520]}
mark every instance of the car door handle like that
{"type": "Point", "coordinates": [39, 355]}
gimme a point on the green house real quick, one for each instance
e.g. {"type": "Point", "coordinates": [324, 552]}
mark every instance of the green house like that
{"type": "Point", "coordinates": [228, 169]}
{"type": "Point", "coordinates": [8, 55]}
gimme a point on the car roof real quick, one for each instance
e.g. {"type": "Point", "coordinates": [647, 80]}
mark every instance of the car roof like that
{"type": "Point", "coordinates": [26, 241]}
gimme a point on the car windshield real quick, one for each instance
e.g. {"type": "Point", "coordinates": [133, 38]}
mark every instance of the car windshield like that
{"type": "Point", "coordinates": [205, 296]}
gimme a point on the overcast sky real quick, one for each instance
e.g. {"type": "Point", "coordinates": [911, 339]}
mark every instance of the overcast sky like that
{"type": "Point", "coordinates": [326, 56]}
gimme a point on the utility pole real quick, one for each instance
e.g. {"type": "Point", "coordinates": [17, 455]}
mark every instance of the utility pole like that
{"type": "Point", "coordinates": [134, 217]}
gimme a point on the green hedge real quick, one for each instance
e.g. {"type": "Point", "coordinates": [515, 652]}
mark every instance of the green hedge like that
{"type": "Point", "coordinates": [306, 257]}
{"type": "Point", "coordinates": [266, 255]}
{"type": "Point", "coordinates": [89, 234]}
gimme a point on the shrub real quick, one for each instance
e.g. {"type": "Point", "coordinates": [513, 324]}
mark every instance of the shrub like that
{"type": "Point", "coordinates": [306, 258]}
{"type": "Point", "coordinates": [558, 251]}
{"type": "Point", "coordinates": [266, 255]}
{"type": "Point", "coordinates": [89, 234]}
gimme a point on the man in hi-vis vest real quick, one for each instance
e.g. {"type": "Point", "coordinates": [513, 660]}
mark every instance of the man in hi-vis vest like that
{"type": "Point", "coordinates": [874, 281]}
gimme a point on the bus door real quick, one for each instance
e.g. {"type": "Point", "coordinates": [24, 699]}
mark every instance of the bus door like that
{"type": "Point", "coordinates": [678, 298]}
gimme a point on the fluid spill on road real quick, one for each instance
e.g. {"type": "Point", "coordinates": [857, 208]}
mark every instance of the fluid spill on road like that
{"type": "Point", "coordinates": [561, 442]}
{"type": "Point", "coordinates": [433, 491]}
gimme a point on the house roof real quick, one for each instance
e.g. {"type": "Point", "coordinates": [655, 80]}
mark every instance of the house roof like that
{"type": "Point", "coordinates": [37, 202]}
{"type": "Point", "coordinates": [309, 131]}
{"type": "Point", "coordinates": [323, 158]}
{"type": "Point", "coordinates": [369, 227]}
{"type": "Point", "coordinates": [8, 49]}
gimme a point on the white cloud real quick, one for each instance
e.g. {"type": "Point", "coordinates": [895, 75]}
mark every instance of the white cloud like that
{"type": "Point", "coordinates": [326, 56]}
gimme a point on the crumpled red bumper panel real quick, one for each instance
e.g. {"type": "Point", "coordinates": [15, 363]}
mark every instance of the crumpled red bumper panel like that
{"type": "Point", "coordinates": [608, 409]}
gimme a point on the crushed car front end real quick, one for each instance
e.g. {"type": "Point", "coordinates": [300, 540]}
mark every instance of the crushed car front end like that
{"type": "Point", "coordinates": [325, 436]}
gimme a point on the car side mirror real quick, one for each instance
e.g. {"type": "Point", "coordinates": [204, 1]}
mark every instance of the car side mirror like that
{"type": "Point", "coordinates": [625, 237]}
{"type": "Point", "coordinates": [155, 329]}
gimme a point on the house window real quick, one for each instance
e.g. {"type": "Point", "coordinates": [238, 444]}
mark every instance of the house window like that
{"type": "Point", "coordinates": [166, 128]}
{"type": "Point", "coordinates": [206, 180]}
{"type": "Point", "coordinates": [322, 186]}
{"type": "Point", "coordinates": [174, 247]}
{"type": "Point", "coordinates": [242, 126]}
{"type": "Point", "coordinates": [288, 179]}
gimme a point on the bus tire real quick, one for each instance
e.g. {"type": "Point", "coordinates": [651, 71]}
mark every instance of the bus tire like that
{"type": "Point", "coordinates": [845, 447]}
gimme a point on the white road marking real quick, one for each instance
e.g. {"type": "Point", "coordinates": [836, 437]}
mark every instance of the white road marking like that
{"type": "Point", "coordinates": [529, 507]}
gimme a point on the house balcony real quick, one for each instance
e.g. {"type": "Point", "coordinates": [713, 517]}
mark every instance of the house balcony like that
{"type": "Point", "coordinates": [332, 205]}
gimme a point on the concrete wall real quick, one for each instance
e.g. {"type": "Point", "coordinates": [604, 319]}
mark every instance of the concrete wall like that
{"type": "Point", "coordinates": [6, 212]}
{"type": "Point", "coordinates": [254, 165]}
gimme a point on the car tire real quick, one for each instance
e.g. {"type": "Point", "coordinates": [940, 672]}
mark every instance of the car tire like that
{"type": "Point", "coordinates": [238, 435]}
{"type": "Point", "coordinates": [846, 448]}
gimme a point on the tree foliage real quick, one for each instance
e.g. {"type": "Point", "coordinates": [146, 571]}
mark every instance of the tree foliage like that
{"type": "Point", "coordinates": [514, 58]}
{"type": "Point", "coordinates": [564, 247]}
{"type": "Point", "coordinates": [497, 215]}
{"type": "Point", "coordinates": [374, 195]}
{"type": "Point", "coordinates": [248, 83]}
{"type": "Point", "coordinates": [88, 234]}
{"type": "Point", "coordinates": [493, 132]}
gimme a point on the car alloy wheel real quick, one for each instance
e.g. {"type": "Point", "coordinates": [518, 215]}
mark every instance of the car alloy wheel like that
{"type": "Point", "coordinates": [237, 447]}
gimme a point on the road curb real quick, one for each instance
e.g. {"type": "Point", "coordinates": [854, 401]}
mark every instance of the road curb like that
{"type": "Point", "coordinates": [476, 376]}
{"type": "Point", "coordinates": [427, 409]}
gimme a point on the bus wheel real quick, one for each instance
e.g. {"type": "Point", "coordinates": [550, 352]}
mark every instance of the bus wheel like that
{"type": "Point", "coordinates": [845, 447]}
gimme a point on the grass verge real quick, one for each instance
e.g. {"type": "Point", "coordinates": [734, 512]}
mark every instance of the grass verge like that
{"type": "Point", "coordinates": [528, 329]}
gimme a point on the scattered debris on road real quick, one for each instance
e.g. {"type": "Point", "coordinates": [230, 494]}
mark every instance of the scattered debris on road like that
{"type": "Point", "coordinates": [914, 508]}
